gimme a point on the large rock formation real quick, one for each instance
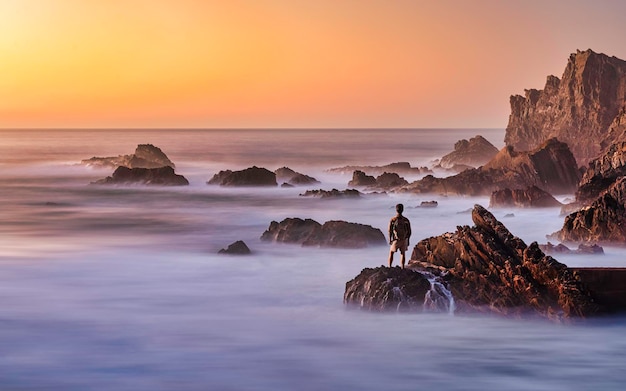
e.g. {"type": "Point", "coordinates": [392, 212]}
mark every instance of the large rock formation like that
{"type": "Point", "coordinates": [475, 152]}
{"type": "Point", "coordinates": [331, 234]}
{"type": "Point", "coordinates": [551, 167]}
{"type": "Point", "coordinates": [145, 156]}
{"type": "Point", "coordinates": [487, 269]}
{"type": "Point", "coordinates": [530, 197]}
{"type": "Point", "coordinates": [603, 221]}
{"type": "Point", "coordinates": [162, 176]}
{"type": "Point", "coordinates": [602, 173]}
{"type": "Point", "coordinates": [585, 108]}
{"type": "Point", "coordinates": [253, 176]}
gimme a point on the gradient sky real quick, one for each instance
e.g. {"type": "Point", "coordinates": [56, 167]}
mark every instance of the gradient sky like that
{"type": "Point", "coordinates": [287, 63]}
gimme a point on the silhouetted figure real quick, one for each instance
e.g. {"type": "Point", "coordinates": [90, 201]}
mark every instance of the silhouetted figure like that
{"type": "Point", "coordinates": [399, 234]}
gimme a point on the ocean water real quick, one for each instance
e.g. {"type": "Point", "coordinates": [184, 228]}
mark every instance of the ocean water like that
{"type": "Point", "coordinates": [121, 288]}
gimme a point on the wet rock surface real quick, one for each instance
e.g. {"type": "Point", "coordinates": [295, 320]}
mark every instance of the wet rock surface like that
{"type": "Point", "coordinates": [339, 234]}
{"type": "Point", "coordinates": [163, 176]}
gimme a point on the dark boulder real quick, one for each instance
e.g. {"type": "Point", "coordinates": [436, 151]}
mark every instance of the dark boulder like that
{"type": "Point", "coordinates": [473, 152]}
{"type": "Point", "coordinates": [237, 248]}
{"type": "Point", "coordinates": [603, 221]}
{"type": "Point", "coordinates": [253, 176]}
{"type": "Point", "coordinates": [145, 156]}
{"type": "Point", "coordinates": [309, 232]}
{"type": "Point", "coordinates": [530, 197]}
{"type": "Point", "coordinates": [163, 176]}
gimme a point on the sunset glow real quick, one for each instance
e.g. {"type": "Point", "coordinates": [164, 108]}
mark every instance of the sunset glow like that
{"type": "Point", "coordinates": [193, 63]}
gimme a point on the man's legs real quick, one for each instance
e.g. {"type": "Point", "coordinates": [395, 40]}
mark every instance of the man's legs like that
{"type": "Point", "coordinates": [390, 258]}
{"type": "Point", "coordinates": [402, 258]}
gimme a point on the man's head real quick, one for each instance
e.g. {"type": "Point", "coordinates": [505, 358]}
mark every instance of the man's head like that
{"type": "Point", "coordinates": [400, 208]}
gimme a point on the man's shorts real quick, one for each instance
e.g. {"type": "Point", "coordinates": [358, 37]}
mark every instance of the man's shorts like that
{"type": "Point", "coordinates": [401, 245]}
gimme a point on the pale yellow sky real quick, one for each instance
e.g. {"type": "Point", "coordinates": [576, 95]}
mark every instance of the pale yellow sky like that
{"type": "Point", "coordinates": [287, 63]}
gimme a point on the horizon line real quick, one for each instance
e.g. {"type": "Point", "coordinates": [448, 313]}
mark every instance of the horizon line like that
{"type": "Point", "coordinates": [251, 128]}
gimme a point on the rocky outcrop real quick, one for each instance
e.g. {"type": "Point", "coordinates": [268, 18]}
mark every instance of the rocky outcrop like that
{"type": "Point", "coordinates": [294, 178]}
{"type": "Point", "coordinates": [162, 176]}
{"type": "Point", "coordinates": [530, 197]}
{"type": "Point", "coordinates": [473, 152]}
{"type": "Point", "coordinates": [551, 167]}
{"type": "Point", "coordinates": [361, 179]}
{"type": "Point", "coordinates": [145, 156]}
{"type": "Point", "coordinates": [334, 193]}
{"type": "Point", "coordinates": [339, 234]}
{"type": "Point", "coordinates": [400, 168]}
{"type": "Point", "coordinates": [603, 221]}
{"type": "Point", "coordinates": [385, 181]}
{"type": "Point", "coordinates": [253, 176]}
{"type": "Point", "coordinates": [491, 270]}
{"type": "Point", "coordinates": [237, 248]}
{"type": "Point", "coordinates": [602, 173]}
{"type": "Point", "coordinates": [585, 108]}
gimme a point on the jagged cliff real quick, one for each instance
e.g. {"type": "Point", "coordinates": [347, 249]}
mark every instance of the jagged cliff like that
{"type": "Point", "coordinates": [586, 108]}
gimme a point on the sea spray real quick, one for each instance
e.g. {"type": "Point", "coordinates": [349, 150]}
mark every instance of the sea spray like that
{"type": "Point", "coordinates": [438, 298]}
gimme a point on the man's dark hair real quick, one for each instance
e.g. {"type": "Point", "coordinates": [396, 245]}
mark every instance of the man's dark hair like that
{"type": "Point", "coordinates": [399, 208]}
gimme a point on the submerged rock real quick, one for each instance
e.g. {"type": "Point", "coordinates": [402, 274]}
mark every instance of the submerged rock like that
{"type": "Point", "coordinates": [334, 193]}
{"type": "Point", "coordinates": [473, 153]}
{"type": "Point", "coordinates": [253, 176]}
{"type": "Point", "coordinates": [237, 248]}
{"type": "Point", "coordinates": [163, 176]}
{"type": "Point", "coordinates": [531, 197]}
{"type": "Point", "coordinates": [309, 232]}
{"type": "Point", "coordinates": [145, 156]}
{"type": "Point", "coordinates": [294, 178]}
{"type": "Point", "coordinates": [583, 106]}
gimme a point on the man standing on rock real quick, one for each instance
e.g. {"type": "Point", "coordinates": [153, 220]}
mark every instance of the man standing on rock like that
{"type": "Point", "coordinates": [399, 234]}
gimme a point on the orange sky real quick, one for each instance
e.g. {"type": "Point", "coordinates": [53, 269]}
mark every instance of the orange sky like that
{"type": "Point", "coordinates": [287, 63]}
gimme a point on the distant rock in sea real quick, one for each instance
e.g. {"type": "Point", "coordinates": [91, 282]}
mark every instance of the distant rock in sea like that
{"type": "Point", "coordinates": [385, 181]}
{"type": "Point", "coordinates": [334, 193]}
{"type": "Point", "coordinates": [145, 156]}
{"type": "Point", "coordinates": [586, 108]}
{"type": "Point", "coordinates": [551, 167]}
{"type": "Point", "coordinates": [237, 248]}
{"type": "Point", "coordinates": [530, 197]}
{"type": "Point", "coordinates": [162, 176]}
{"type": "Point", "coordinates": [560, 248]}
{"type": "Point", "coordinates": [400, 168]}
{"type": "Point", "coordinates": [253, 176]}
{"type": "Point", "coordinates": [338, 234]}
{"type": "Point", "coordinates": [294, 178]}
{"type": "Point", "coordinates": [474, 153]}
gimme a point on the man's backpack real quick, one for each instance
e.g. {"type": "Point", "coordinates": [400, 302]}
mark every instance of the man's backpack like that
{"type": "Point", "coordinates": [400, 228]}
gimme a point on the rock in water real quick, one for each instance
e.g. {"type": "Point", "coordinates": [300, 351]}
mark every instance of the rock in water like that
{"type": "Point", "coordinates": [163, 176]}
{"type": "Point", "coordinates": [604, 221]}
{"type": "Point", "coordinates": [531, 197]}
{"type": "Point", "coordinates": [339, 234]}
{"type": "Point", "coordinates": [551, 167]}
{"type": "Point", "coordinates": [490, 270]}
{"type": "Point", "coordinates": [253, 176]}
{"type": "Point", "coordinates": [291, 177]}
{"type": "Point", "coordinates": [361, 179]}
{"type": "Point", "coordinates": [475, 152]}
{"type": "Point", "coordinates": [237, 248]}
{"type": "Point", "coordinates": [586, 104]}
{"type": "Point", "coordinates": [602, 173]}
{"type": "Point", "coordinates": [145, 156]}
